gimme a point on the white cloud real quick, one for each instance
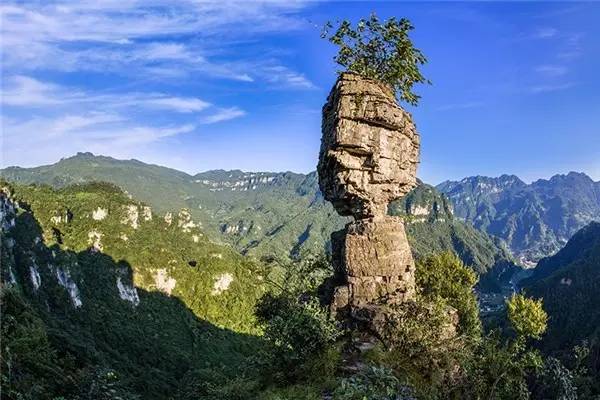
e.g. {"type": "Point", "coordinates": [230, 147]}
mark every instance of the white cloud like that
{"type": "Point", "coordinates": [24, 91]}
{"type": "Point", "coordinates": [224, 115]}
{"type": "Point", "coordinates": [27, 91]}
{"type": "Point", "coordinates": [137, 38]}
{"type": "Point", "coordinates": [545, 33]}
{"type": "Point", "coordinates": [551, 70]}
{"type": "Point", "coordinates": [45, 139]}
{"type": "Point", "coordinates": [551, 88]}
{"type": "Point", "coordinates": [283, 77]}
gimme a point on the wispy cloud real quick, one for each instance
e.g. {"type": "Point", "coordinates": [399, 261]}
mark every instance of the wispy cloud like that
{"type": "Point", "coordinates": [551, 87]}
{"type": "Point", "coordinates": [545, 33]}
{"type": "Point", "coordinates": [137, 38]}
{"type": "Point", "coordinates": [224, 115]}
{"type": "Point", "coordinates": [24, 91]}
{"type": "Point", "coordinates": [551, 71]}
{"type": "Point", "coordinates": [284, 77]}
{"type": "Point", "coordinates": [51, 119]}
{"type": "Point", "coordinates": [45, 139]}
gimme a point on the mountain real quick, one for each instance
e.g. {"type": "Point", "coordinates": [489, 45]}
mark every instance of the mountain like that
{"type": "Point", "coordinates": [432, 228]}
{"type": "Point", "coordinates": [569, 283]}
{"type": "Point", "coordinates": [259, 213]}
{"type": "Point", "coordinates": [97, 289]}
{"type": "Point", "coordinates": [536, 220]}
{"type": "Point", "coordinates": [268, 214]}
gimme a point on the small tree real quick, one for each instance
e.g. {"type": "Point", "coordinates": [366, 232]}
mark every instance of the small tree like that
{"type": "Point", "coordinates": [381, 51]}
{"type": "Point", "coordinates": [527, 316]}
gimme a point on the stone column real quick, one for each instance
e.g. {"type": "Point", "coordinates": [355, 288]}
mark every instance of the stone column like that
{"type": "Point", "coordinates": [368, 158]}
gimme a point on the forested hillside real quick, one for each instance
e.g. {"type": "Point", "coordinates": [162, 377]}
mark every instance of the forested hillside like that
{"type": "Point", "coordinates": [102, 293]}
{"type": "Point", "coordinates": [265, 214]}
{"type": "Point", "coordinates": [569, 283]}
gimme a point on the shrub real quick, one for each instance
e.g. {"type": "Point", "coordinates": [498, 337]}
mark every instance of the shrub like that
{"type": "Point", "coordinates": [299, 335]}
{"type": "Point", "coordinates": [373, 383]}
{"type": "Point", "coordinates": [381, 51]}
{"type": "Point", "coordinates": [444, 275]}
{"type": "Point", "coordinates": [527, 317]}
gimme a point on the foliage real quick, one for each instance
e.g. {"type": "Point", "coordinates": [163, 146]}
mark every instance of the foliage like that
{"type": "Point", "coordinates": [298, 277]}
{"type": "Point", "coordinates": [300, 335]}
{"type": "Point", "coordinates": [527, 316]}
{"type": "Point", "coordinates": [28, 367]}
{"type": "Point", "coordinates": [557, 381]}
{"type": "Point", "coordinates": [498, 369]}
{"type": "Point", "coordinates": [420, 345]}
{"type": "Point", "coordinates": [381, 51]}
{"type": "Point", "coordinates": [444, 275]}
{"type": "Point", "coordinates": [569, 285]}
{"type": "Point", "coordinates": [373, 383]}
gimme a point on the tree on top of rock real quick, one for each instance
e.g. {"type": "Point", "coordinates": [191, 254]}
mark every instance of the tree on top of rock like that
{"type": "Point", "coordinates": [381, 51]}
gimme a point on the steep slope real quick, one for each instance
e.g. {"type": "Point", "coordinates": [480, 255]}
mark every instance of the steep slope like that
{"type": "Point", "coordinates": [535, 220]}
{"type": "Point", "coordinates": [569, 283]}
{"type": "Point", "coordinates": [99, 294]}
{"type": "Point", "coordinates": [268, 214]}
{"type": "Point", "coordinates": [432, 228]}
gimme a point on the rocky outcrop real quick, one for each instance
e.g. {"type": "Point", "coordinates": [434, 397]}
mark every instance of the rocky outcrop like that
{"type": "Point", "coordinates": [368, 158]}
{"type": "Point", "coordinates": [369, 149]}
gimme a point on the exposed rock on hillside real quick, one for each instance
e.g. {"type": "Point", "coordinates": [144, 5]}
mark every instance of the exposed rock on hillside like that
{"type": "Point", "coordinates": [285, 215]}
{"type": "Point", "coordinates": [368, 158]}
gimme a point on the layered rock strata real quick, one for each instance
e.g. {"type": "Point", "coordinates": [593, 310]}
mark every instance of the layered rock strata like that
{"type": "Point", "coordinates": [368, 158]}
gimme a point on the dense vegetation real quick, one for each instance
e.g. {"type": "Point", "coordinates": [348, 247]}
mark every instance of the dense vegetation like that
{"type": "Point", "coordinates": [380, 50]}
{"type": "Point", "coordinates": [71, 330]}
{"type": "Point", "coordinates": [72, 321]}
{"type": "Point", "coordinates": [569, 282]}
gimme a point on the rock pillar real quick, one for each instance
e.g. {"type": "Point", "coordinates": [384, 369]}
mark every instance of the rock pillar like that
{"type": "Point", "coordinates": [368, 158]}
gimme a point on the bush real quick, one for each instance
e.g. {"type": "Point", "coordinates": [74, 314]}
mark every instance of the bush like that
{"type": "Point", "coordinates": [527, 317]}
{"type": "Point", "coordinates": [300, 336]}
{"type": "Point", "coordinates": [373, 383]}
{"type": "Point", "coordinates": [381, 51]}
{"type": "Point", "coordinates": [445, 276]}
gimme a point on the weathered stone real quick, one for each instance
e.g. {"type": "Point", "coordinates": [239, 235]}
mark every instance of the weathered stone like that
{"type": "Point", "coordinates": [377, 247]}
{"type": "Point", "coordinates": [369, 149]}
{"type": "Point", "coordinates": [369, 154]}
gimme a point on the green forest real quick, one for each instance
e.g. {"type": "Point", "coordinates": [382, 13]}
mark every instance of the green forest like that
{"type": "Point", "coordinates": [72, 330]}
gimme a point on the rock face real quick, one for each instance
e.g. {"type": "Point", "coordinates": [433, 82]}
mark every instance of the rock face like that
{"type": "Point", "coordinates": [369, 149]}
{"type": "Point", "coordinates": [368, 158]}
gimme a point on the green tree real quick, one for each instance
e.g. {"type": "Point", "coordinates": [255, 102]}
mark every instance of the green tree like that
{"type": "Point", "coordinates": [381, 51]}
{"type": "Point", "coordinates": [300, 338]}
{"type": "Point", "coordinates": [444, 275]}
{"type": "Point", "coordinates": [527, 317]}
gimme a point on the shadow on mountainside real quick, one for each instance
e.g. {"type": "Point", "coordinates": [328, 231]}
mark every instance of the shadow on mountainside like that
{"type": "Point", "coordinates": [64, 320]}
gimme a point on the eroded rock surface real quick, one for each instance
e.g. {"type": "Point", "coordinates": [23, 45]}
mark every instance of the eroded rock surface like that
{"type": "Point", "coordinates": [368, 158]}
{"type": "Point", "coordinates": [369, 149]}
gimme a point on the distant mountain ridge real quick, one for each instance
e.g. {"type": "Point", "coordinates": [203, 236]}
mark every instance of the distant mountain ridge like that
{"type": "Point", "coordinates": [265, 213]}
{"type": "Point", "coordinates": [569, 283]}
{"type": "Point", "coordinates": [535, 219]}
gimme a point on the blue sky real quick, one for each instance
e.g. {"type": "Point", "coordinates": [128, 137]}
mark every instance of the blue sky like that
{"type": "Point", "coordinates": [203, 85]}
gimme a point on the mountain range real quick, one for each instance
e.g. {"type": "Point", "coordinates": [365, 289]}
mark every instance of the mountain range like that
{"type": "Point", "coordinates": [535, 219]}
{"type": "Point", "coordinates": [265, 214]}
